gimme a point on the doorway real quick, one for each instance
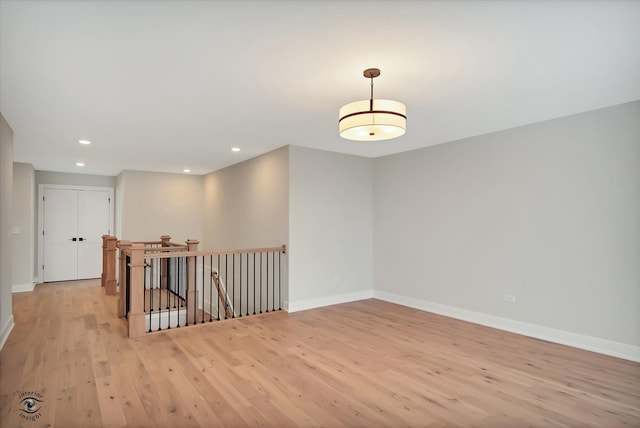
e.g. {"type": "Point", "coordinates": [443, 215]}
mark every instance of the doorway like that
{"type": "Point", "coordinates": [72, 220]}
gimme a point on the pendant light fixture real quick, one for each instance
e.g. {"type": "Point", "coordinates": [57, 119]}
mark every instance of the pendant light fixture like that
{"type": "Point", "coordinates": [372, 120]}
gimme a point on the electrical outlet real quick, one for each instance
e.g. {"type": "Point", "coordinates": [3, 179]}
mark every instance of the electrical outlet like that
{"type": "Point", "coordinates": [509, 298]}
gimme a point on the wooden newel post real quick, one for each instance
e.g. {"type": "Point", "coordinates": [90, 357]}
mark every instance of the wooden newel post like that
{"type": "Point", "coordinates": [124, 247]}
{"type": "Point", "coordinates": [104, 259]}
{"type": "Point", "coordinates": [109, 272]}
{"type": "Point", "coordinates": [192, 245]}
{"type": "Point", "coordinates": [136, 314]}
{"type": "Point", "coordinates": [165, 239]}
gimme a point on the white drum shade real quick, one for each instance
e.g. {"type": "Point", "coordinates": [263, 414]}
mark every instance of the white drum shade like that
{"type": "Point", "coordinates": [375, 120]}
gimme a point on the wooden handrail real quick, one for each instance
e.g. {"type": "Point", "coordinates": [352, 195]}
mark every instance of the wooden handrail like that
{"type": "Point", "coordinates": [157, 250]}
{"type": "Point", "coordinates": [223, 299]}
{"type": "Point", "coordinates": [169, 254]}
{"type": "Point", "coordinates": [167, 249]}
{"type": "Point", "coordinates": [169, 245]}
{"type": "Point", "coordinates": [155, 243]}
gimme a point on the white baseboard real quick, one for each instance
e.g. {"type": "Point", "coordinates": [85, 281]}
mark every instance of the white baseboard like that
{"type": "Point", "coordinates": [6, 330]}
{"type": "Point", "coordinates": [22, 288]}
{"type": "Point", "coordinates": [589, 343]}
{"type": "Point", "coordinates": [303, 305]}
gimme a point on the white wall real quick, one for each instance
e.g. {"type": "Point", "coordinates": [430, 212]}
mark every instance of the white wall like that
{"type": "Point", "coordinates": [330, 228]}
{"type": "Point", "coordinates": [548, 213]}
{"type": "Point", "coordinates": [6, 190]}
{"type": "Point", "coordinates": [155, 204]}
{"type": "Point", "coordinates": [23, 221]}
{"type": "Point", "coordinates": [246, 205]}
{"type": "Point", "coordinates": [65, 178]}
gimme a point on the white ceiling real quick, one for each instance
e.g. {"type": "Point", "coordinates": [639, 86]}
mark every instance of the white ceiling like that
{"type": "Point", "coordinates": [164, 85]}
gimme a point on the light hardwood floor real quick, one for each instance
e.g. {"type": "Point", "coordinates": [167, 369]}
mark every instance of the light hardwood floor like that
{"type": "Point", "coordinates": [367, 363]}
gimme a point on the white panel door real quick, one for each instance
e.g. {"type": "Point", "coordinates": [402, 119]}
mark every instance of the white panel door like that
{"type": "Point", "coordinates": [94, 208]}
{"type": "Point", "coordinates": [73, 224]}
{"type": "Point", "coordinates": [60, 211]}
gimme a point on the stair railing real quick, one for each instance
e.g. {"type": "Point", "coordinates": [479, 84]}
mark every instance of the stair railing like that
{"type": "Point", "coordinates": [170, 287]}
{"type": "Point", "coordinates": [223, 294]}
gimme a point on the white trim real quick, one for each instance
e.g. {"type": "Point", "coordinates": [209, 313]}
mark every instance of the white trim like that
{"type": "Point", "coordinates": [41, 189]}
{"type": "Point", "coordinates": [589, 343]}
{"type": "Point", "coordinates": [22, 288]}
{"type": "Point", "coordinates": [6, 331]}
{"type": "Point", "coordinates": [165, 316]}
{"type": "Point", "coordinates": [303, 305]}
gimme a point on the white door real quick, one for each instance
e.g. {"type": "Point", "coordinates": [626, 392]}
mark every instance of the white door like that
{"type": "Point", "coordinates": [60, 234]}
{"type": "Point", "coordinates": [73, 224]}
{"type": "Point", "coordinates": [94, 208]}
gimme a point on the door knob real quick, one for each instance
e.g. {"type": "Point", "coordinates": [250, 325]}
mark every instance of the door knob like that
{"type": "Point", "coordinates": [72, 239]}
{"type": "Point", "coordinates": [80, 239]}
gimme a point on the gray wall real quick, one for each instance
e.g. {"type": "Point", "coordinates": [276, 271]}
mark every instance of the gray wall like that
{"type": "Point", "coordinates": [6, 190]}
{"type": "Point", "coordinates": [246, 205]}
{"type": "Point", "coordinates": [330, 228]}
{"type": "Point", "coordinates": [150, 204]}
{"type": "Point", "coordinates": [24, 219]}
{"type": "Point", "coordinates": [548, 213]}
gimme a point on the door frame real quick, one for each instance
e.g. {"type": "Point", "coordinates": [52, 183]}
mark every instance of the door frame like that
{"type": "Point", "coordinates": [41, 190]}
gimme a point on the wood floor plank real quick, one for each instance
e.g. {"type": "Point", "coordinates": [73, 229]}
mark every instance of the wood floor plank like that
{"type": "Point", "coordinates": [367, 363]}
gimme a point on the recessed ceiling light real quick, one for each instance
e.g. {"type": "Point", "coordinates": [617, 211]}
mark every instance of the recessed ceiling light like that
{"type": "Point", "coordinates": [235, 149]}
{"type": "Point", "coordinates": [85, 142]}
{"type": "Point", "coordinates": [186, 170]}
{"type": "Point", "coordinates": [79, 163]}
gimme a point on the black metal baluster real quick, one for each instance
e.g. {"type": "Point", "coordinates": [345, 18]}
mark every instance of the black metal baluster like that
{"type": "Point", "coordinates": [144, 296]}
{"type": "Point", "coordinates": [195, 292]}
{"type": "Point", "coordinates": [158, 269]}
{"type": "Point", "coordinates": [174, 275]}
{"type": "Point", "coordinates": [183, 280]}
{"type": "Point", "coordinates": [167, 262]}
{"type": "Point", "coordinates": [150, 296]}
{"type": "Point", "coordinates": [279, 282]}
{"type": "Point", "coordinates": [166, 279]}
{"type": "Point", "coordinates": [127, 285]}
{"type": "Point", "coordinates": [226, 285]}
{"type": "Point", "coordinates": [186, 290]}
{"type": "Point", "coordinates": [267, 282]}
{"type": "Point", "coordinates": [247, 284]}
{"type": "Point", "coordinates": [177, 288]}
{"type": "Point", "coordinates": [240, 272]}
{"type": "Point", "coordinates": [210, 288]}
{"type": "Point", "coordinates": [273, 281]}
{"type": "Point", "coordinates": [154, 265]}
{"type": "Point", "coordinates": [254, 283]}
{"type": "Point", "coordinates": [260, 282]}
{"type": "Point", "coordinates": [233, 289]}
{"type": "Point", "coordinates": [148, 266]}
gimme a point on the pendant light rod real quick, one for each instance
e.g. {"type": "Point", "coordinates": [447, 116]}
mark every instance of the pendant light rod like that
{"type": "Point", "coordinates": [371, 73]}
